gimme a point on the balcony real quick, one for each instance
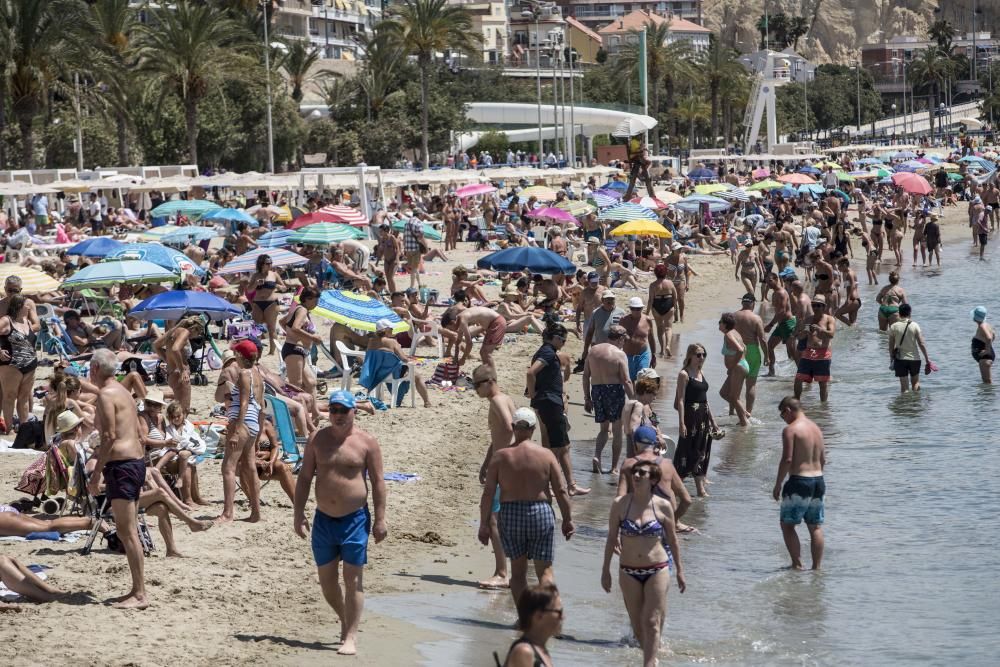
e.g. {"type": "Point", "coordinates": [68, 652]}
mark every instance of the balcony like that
{"type": "Point", "coordinates": [302, 7]}
{"type": "Point", "coordinates": [595, 14]}
{"type": "Point", "coordinates": [333, 13]}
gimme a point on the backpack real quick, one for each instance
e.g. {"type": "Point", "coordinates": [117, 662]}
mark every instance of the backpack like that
{"type": "Point", "coordinates": [115, 545]}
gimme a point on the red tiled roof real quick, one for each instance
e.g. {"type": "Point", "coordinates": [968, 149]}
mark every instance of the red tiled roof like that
{"type": "Point", "coordinates": [584, 29]}
{"type": "Point", "coordinates": [639, 18]}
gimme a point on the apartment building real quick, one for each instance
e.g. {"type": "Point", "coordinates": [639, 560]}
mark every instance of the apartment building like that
{"type": "Point", "coordinates": [596, 14]}
{"type": "Point", "coordinates": [329, 25]}
{"type": "Point", "coordinates": [622, 31]}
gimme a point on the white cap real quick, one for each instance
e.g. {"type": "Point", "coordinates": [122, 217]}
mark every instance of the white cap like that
{"type": "Point", "coordinates": [635, 302]}
{"type": "Point", "coordinates": [607, 294]}
{"type": "Point", "coordinates": [525, 416]}
{"type": "Point", "coordinates": [647, 373]}
{"type": "Point", "coordinates": [383, 324]}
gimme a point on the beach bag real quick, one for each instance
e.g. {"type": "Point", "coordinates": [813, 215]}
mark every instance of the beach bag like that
{"type": "Point", "coordinates": [115, 545]}
{"type": "Point", "coordinates": [445, 372]}
{"type": "Point", "coordinates": [895, 358]}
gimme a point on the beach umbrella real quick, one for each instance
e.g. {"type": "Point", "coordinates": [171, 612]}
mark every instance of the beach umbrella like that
{"type": "Point", "coordinates": [520, 258]}
{"type": "Point", "coordinates": [231, 215]}
{"type": "Point", "coordinates": [345, 214]}
{"type": "Point", "coordinates": [911, 166]}
{"type": "Point", "coordinates": [189, 207]}
{"type": "Point", "coordinates": [797, 179]}
{"type": "Point", "coordinates": [955, 177]}
{"type": "Point", "coordinates": [157, 233]}
{"type": "Point", "coordinates": [972, 159]}
{"type": "Point", "coordinates": [844, 176]}
{"type": "Point", "coordinates": [787, 191]}
{"type": "Point", "coordinates": [692, 204]}
{"type": "Point", "coordinates": [552, 213]}
{"type": "Point", "coordinates": [99, 246]}
{"type": "Point", "coordinates": [611, 193]}
{"type": "Point", "coordinates": [275, 239]}
{"type": "Point", "coordinates": [828, 163]}
{"type": "Point", "coordinates": [653, 203]}
{"type": "Point", "coordinates": [633, 125]}
{"type": "Point", "coordinates": [357, 311]}
{"type": "Point", "coordinates": [192, 234]}
{"type": "Point", "coordinates": [624, 212]}
{"type": "Point", "coordinates": [768, 184]}
{"type": "Point", "coordinates": [116, 272]}
{"type": "Point", "coordinates": [814, 189]}
{"type": "Point", "coordinates": [868, 160]}
{"type": "Point", "coordinates": [430, 232]}
{"type": "Point", "coordinates": [474, 189]}
{"type": "Point", "coordinates": [325, 233]}
{"type": "Point", "coordinates": [312, 219]}
{"type": "Point", "coordinates": [618, 186]}
{"type": "Point", "coordinates": [668, 197]}
{"type": "Point", "coordinates": [168, 258]}
{"type": "Point", "coordinates": [711, 188]}
{"type": "Point", "coordinates": [912, 183]}
{"type": "Point", "coordinates": [809, 170]}
{"type": "Point", "coordinates": [175, 304]}
{"type": "Point", "coordinates": [736, 194]}
{"type": "Point", "coordinates": [761, 172]}
{"type": "Point", "coordinates": [576, 207]}
{"type": "Point", "coordinates": [843, 195]}
{"type": "Point", "coordinates": [949, 166]}
{"type": "Point", "coordinates": [247, 262]}
{"type": "Point", "coordinates": [642, 227]}
{"type": "Point", "coordinates": [902, 155]}
{"type": "Point", "coordinates": [539, 192]}
{"type": "Point", "coordinates": [33, 281]}
{"type": "Point", "coordinates": [602, 201]}
{"type": "Point", "coordinates": [701, 174]}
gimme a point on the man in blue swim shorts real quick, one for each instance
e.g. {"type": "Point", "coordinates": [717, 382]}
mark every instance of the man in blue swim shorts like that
{"type": "Point", "coordinates": [640, 343]}
{"type": "Point", "coordinates": [803, 455]}
{"type": "Point", "coordinates": [605, 384]}
{"type": "Point", "coordinates": [342, 458]}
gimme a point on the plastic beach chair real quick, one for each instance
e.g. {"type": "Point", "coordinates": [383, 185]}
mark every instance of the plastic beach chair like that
{"type": "Point", "coordinates": [291, 444]}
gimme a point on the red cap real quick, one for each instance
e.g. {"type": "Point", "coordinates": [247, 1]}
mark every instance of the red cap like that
{"type": "Point", "coordinates": [245, 349]}
{"type": "Point", "coordinates": [217, 282]}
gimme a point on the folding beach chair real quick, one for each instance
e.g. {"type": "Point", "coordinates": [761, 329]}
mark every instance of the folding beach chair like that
{"type": "Point", "coordinates": [291, 444]}
{"type": "Point", "coordinates": [383, 369]}
{"type": "Point", "coordinates": [98, 508]}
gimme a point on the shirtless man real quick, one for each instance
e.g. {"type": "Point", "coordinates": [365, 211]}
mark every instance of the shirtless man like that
{"type": "Point", "coordinates": [384, 340]}
{"type": "Point", "coordinates": [671, 485]}
{"type": "Point", "coordinates": [589, 299]}
{"type": "Point", "coordinates": [489, 322]}
{"type": "Point", "coordinates": [814, 362]}
{"type": "Point", "coordinates": [801, 309]}
{"type": "Point", "coordinates": [358, 254]}
{"type": "Point", "coordinates": [803, 456]}
{"type": "Point", "coordinates": [121, 460]}
{"type": "Point", "coordinates": [500, 420]}
{"type": "Point", "coordinates": [751, 329]}
{"type": "Point", "coordinates": [546, 292]}
{"type": "Point", "coordinates": [558, 244]}
{"type": "Point", "coordinates": [527, 475]}
{"type": "Point", "coordinates": [358, 278]}
{"type": "Point", "coordinates": [783, 318]}
{"type": "Point", "coordinates": [244, 242]}
{"type": "Point", "coordinates": [605, 384]}
{"type": "Point", "coordinates": [342, 458]}
{"type": "Point", "coordinates": [640, 346]}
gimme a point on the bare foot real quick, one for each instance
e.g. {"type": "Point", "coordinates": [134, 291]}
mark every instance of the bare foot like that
{"type": "Point", "coordinates": [575, 490]}
{"type": "Point", "coordinates": [596, 465]}
{"type": "Point", "coordinates": [496, 582]}
{"type": "Point", "coordinates": [348, 648]}
{"type": "Point", "coordinates": [253, 518]}
{"type": "Point", "coordinates": [199, 526]}
{"type": "Point", "coordinates": [132, 602]}
{"type": "Point", "coordinates": [175, 554]}
{"type": "Point", "coordinates": [222, 518]}
{"type": "Point", "coordinates": [201, 502]}
{"type": "Point", "coordinates": [427, 404]}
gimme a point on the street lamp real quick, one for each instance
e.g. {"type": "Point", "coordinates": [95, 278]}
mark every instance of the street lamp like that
{"type": "Point", "coordinates": [858, 67]}
{"type": "Point", "coordinates": [268, 45]}
{"type": "Point", "coordinates": [941, 120]}
{"type": "Point", "coordinates": [902, 62]}
{"type": "Point", "coordinates": [894, 120]}
{"type": "Point", "coordinates": [535, 12]}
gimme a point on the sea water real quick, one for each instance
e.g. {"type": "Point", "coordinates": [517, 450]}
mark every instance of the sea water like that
{"type": "Point", "coordinates": [910, 570]}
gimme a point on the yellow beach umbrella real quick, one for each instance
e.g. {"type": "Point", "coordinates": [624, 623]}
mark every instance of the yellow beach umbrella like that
{"type": "Point", "coordinates": [948, 166]}
{"type": "Point", "coordinates": [768, 184]}
{"type": "Point", "coordinates": [33, 281]}
{"type": "Point", "coordinates": [711, 188]}
{"type": "Point", "coordinates": [642, 228]}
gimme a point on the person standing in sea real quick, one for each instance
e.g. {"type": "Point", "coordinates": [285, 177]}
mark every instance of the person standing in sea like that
{"type": "Point", "coordinates": [803, 457]}
{"type": "Point", "coordinates": [750, 327]}
{"type": "Point", "coordinates": [982, 344]}
{"type": "Point", "coordinates": [816, 358]}
{"type": "Point", "coordinates": [697, 425]}
{"type": "Point", "coordinates": [906, 344]}
{"type": "Point", "coordinates": [605, 385]}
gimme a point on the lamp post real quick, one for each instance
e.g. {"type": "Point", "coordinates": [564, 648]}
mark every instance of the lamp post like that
{"type": "Point", "coordinates": [857, 66]}
{"type": "Point", "coordinates": [941, 120]}
{"type": "Point", "coordinates": [79, 124]}
{"type": "Point", "coordinates": [893, 120]}
{"type": "Point", "coordinates": [267, 80]}
{"type": "Point", "coordinates": [535, 13]}
{"type": "Point", "coordinates": [902, 62]}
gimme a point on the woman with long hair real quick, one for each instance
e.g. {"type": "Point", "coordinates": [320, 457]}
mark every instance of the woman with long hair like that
{"type": "Point", "coordinates": [174, 348]}
{"type": "Point", "coordinates": [261, 293]}
{"type": "Point", "coordinates": [242, 432]}
{"type": "Point", "coordinates": [737, 367]}
{"type": "Point", "coordinates": [697, 424]}
{"type": "Point", "coordinates": [300, 337]}
{"type": "Point", "coordinates": [18, 360]}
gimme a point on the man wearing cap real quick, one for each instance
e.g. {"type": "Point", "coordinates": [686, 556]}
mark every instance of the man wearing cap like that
{"type": "Point", "coordinates": [815, 360]}
{"type": "Point", "coordinates": [384, 340]}
{"type": "Point", "coordinates": [528, 476]}
{"type": "Point", "coordinates": [601, 320]}
{"type": "Point", "coordinates": [640, 344]}
{"type": "Point", "coordinates": [343, 459]}
{"type": "Point", "coordinates": [605, 384]}
{"type": "Point", "coordinates": [751, 329]}
{"type": "Point", "coordinates": [783, 318]}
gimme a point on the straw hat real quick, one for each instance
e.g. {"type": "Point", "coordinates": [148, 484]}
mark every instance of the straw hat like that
{"type": "Point", "coordinates": [67, 421]}
{"type": "Point", "coordinates": [154, 396]}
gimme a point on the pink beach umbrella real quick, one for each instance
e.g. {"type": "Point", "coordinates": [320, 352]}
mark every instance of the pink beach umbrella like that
{"type": "Point", "coordinates": [552, 213]}
{"type": "Point", "coordinates": [912, 183]}
{"type": "Point", "coordinates": [474, 189]}
{"type": "Point", "coordinates": [762, 172]}
{"type": "Point", "coordinates": [649, 202]}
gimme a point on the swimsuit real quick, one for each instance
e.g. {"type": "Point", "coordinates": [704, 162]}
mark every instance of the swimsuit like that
{"type": "Point", "coordinates": [637, 362]}
{"type": "Point", "coordinates": [124, 479]}
{"type": "Point", "coordinates": [289, 349]}
{"type": "Point", "coordinates": [726, 352]}
{"type": "Point", "coordinates": [344, 537]}
{"type": "Point", "coordinates": [608, 400]}
{"type": "Point", "coordinates": [802, 498]}
{"type": "Point", "coordinates": [785, 330]}
{"type": "Point", "coordinates": [982, 350]}
{"type": "Point", "coordinates": [652, 528]}
{"type": "Point", "coordinates": [754, 359]}
{"type": "Point", "coordinates": [22, 350]}
{"type": "Point", "coordinates": [495, 332]}
{"type": "Point", "coordinates": [252, 418]}
{"type": "Point", "coordinates": [663, 303]}
{"type": "Point", "coordinates": [539, 661]}
{"type": "Point", "coordinates": [814, 365]}
{"type": "Point", "coordinates": [527, 528]}
{"type": "Point", "coordinates": [888, 311]}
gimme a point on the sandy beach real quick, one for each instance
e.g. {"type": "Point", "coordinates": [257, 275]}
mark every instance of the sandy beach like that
{"type": "Point", "coordinates": [248, 593]}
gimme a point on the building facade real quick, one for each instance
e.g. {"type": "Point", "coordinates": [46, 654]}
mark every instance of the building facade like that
{"type": "Point", "coordinates": [331, 26]}
{"type": "Point", "coordinates": [623, 31]}
{"type": "Point", "coordinates": [596, 14]}
{"type": "Point", "coordinates": [794, 68]}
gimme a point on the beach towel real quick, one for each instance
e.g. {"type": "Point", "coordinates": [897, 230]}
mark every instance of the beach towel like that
{"type": "Point", "coordinates": [401, 477]}
{"type": "Point", "coordinates": [8, 595]}
{"type": "Point", "coordinates": [380, 365]}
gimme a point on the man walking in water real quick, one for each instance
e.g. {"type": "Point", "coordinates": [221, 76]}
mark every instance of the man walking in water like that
{"type": "Point", "coordinates": [640, 344]}
{"type": "Point", "coordinates": [817, 355]}
{"type": "Point", "coordinates": [121, 459]}
{"type": "Point", "coordinates": [783, 318]}
{"type": "Point", "coordinates": [803, 456]}
{"type": "Point", "coordinates": [342, 458]}
{"type": "Point", "coordinates": [500, 418]}
{"type": "Point", "coordinates": [528, 476]}
{"type": "Point", "coordinates": [906, 344]}
{"type": "Point", "coordinates": [605, 384]}
{"type": "Point", "coordinates": [751, 328]}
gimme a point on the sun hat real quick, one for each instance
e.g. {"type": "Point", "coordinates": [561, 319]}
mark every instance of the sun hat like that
{"type": "Point", "coordinates": [525, 416]}
{"type": "Point", "coordinates": [979, 313]}
{"type": "Point", "coordinates": [228, 356]}
{"type": "Point", "coordinates": [635, 302]}
{"type": "Point", "coordinates": [594, 241]}
{"type": "Point", "coordinates": [676, 246]}
{"type": "Point", "coordinates": [154, 396]}
{"type": "Point", "coordinates": [245, 349]}
{"type": "Point", "coordinates": [344, 398]}
{"type": "Point", "coordinates": [67, 421]}
{"type": "Point", "coordinates": [647, 374]}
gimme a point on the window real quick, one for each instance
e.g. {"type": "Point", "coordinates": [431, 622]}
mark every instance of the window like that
{"type": "Point", "coordinates": [614, 40]}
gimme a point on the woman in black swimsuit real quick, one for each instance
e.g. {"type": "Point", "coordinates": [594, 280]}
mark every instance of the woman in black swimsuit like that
{"type": "Point", "coordinates": [300, 337]}
{"type": "Point", "coordinates": [17, 360]}
{"type": "Point", "coordinates": [260, 291]}
{"type": "Point", "coordinates": [539, 617]}
{"type": "Point", "coordinates": [662, 298]}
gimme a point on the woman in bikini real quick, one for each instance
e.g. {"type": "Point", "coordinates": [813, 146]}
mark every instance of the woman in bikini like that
{"type": "Point", "coordinates": [919, 242]}
{"type": "Point", "coordinates": [848, 313]}
{"type": "Point", "coordinates": [642, 523]}
{"type": "Point", "coordinates": [660, 303]}
{"type": "Point", "coordinates": [878, 213]}
{"type": "Point", "coordinates": [748, 267]}
{"type": "Point", "coordinates": [242, 432]}
{"type": "Point", "coordinates": [539, 618]}
{"type": "Point", "coordinates": [174, 348]}
{"type": "Point", "coordinates": [737, 367]}
{"type": "Point", "coordinates": [824, 275]}
{"type": "Point", "coordinates": [889, 299]}
{"type": "Point", "coordinates": [390, 247]}
{"type": "Point", "coordinates": [678, 271]}
{"type": "Point", "coordinates": [300, 337]}
{"type": "Point", "coordinates": [895, 227]}
{"type": "Point", "coordinates": [18, 360]}
{"type": "Point", "coordinates": [260, 291]}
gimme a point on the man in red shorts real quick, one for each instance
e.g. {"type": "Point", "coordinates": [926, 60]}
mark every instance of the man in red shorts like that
{"type": "Point", "coordinates": [814, 364]}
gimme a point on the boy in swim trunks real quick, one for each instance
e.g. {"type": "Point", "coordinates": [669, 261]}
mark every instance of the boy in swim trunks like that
{"type": "Point", "coordinates": [490, 323]}
{"type": "Point", "coordinates": [803, 456]}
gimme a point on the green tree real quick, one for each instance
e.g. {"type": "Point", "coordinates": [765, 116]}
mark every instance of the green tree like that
{"type": "Point", "coordinates": [299, 65]}
{"type": "Point", "coordinates": [423, 28]}
{"type": "Point", "coordinates": [794, 114]}
{"type": "Point", "coordinates": [798, 27]}
{"type": "Point", "coordinates": [942, 32]}
{"type": "Point", "coordinates": [379, 76]}
{"type": "Point", "coordinates": [189, 49]}
{"type": "Point", "coordinates": [931, 68]}
{"type": "Point", "coordinates": [692, 109]}
{"type": "Point", "coordinates": [495, 142]}
{"type": "Point", "coordinates": [719, 69]}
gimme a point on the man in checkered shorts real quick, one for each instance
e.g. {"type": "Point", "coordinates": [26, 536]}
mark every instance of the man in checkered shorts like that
{"type": "Point", "coordinates": [525, 472]}
{"type": "Point", "coordinates": [414, 248]}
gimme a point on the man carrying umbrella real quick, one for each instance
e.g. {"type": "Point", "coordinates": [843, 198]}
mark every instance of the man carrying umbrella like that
{"type": "Point", "coordinates": [638, 160]}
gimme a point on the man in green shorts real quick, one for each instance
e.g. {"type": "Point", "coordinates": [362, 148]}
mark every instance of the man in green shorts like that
{"type": "Point", "coordinates": [751, 329]}
{"type": "Point", "coordinates": [784, 332]}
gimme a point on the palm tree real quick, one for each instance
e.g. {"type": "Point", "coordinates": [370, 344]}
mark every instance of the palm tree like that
{"type": "Point", "coordinates": [942, 32]}
{"type": "Point", "coordinates": [932, 68]}
{"type": "Point", "coordinates": [719, 69]}
{"type": "Point", "coordinates": [379, 76]}
{"type": "Point", "coordinates": [423, 28]}
{"type": "Point", "coordinates": [798, 26]}
{"type": "Point", "coordinates": [189, 49]}
{"type": "Point", "coordinates": [40, 57]}
{"type": "Point", "coordinates": [298, 63]}
{"type": "Point", "coordinates": [692, 109]}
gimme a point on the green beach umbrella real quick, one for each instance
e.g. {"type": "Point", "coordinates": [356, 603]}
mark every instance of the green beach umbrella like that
{"type": "Point", "coordinates": [188, 207]}
{"type": "Point", "coordinates": [768, 184]}
{"type": "Point", "coordinates": [429, 231]}
{"type": "Point", "coordinates": [325, 233]}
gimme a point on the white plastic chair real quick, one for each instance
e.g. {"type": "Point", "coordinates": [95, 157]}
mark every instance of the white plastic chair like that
{"type": "Point", "coordinates": [393, 385]}
{"type": "Point", "coordinates": [347, 353]}
{"type": "Point", "coordinates": [419, 336]}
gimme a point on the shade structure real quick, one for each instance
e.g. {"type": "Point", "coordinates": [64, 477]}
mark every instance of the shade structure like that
{"type": "Point", "coordinates": [346, 215]}
{"type": "Point", "coordinates": [912, 183]}
{"type": "Point", "coordinates": [231, 215]}
{"type": "Point", "coordinates": [188, 207]}
{"type": "Point", "coordinates": [539, 192]}
{"type": "Point", "coordinates": [536, 260]}
{"type": "Point", "coordinates": [175, 304]}
{"type": "Point", "coordinates": [652, 203]}
{"type": "Point", "coordinates": [767, 184]}
{"type": "Point", "coordinates": [633, 125]}
{"type": "Point", "coordinates": [642, 228]}
{"type": "Point", "coordinates": [903, 155]}
{"type": "Point", "coordinates": [761, 172]}
{"type": "Point", "coordinates": [624, 212]}
{"type": "Point", "coordinates": [100, 246]}
{"type": "Point", "coordinates": [33, 281]}
{"type": "Point", "coordinates": [474, 189]}
{"type": "Point", "coordinates": [312, 219]}
{"type": "Point", "coordinates": [168, 258]}
{"type": "Point", "coordinates": [325, 233]}
{"type": "Point", "coordinates": [116, 272]}
{"type": "Point", "coordinates": [868, 160]}
{"type": "Point", "coordinates": [190, 234]}
{"type": "Point", "coordinates": [711, 188]}
{"type": "Point", "coordinates": [976, 160]}
{"type": "Point", "coordinates": [797, 179]}
{"type": "Point", "coordinates": [552, 213]}
{"type": "Point", "coordinates": [576, 207]}
{"type": "Point", "coordinates": [430, 232]}
{"type": "Point", "coordinates": [701, 174]}
{"type": "Point", "coordinates": [358, 311]}
{"type": "Point", "coordinates": [693, 204]}
{"type": "Point", "coordinates": [247, 262]}
{"type": "Point", "coordinates": [275, 239]}
{"type": "Point", "coordinates": [911, 166]}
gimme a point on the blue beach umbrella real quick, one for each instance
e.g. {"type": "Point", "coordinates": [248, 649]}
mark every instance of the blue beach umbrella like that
{"type": "Point", "coordinates": [811, 188]}
{"type": "Point", "coordinates": [601, 200]}
{"type": "Point", "coordinates": [176, 304]}
{"type": "Point", "coordinates": [693, 204]}
{"type": "Point", "coordinates": [232, 215]}
{"type": "Point", "coordinates": [626, 211]}
{"type": "Point", "coordinates": [188, 207]}
{"type": "Point", "coordinates": [808, 170]}
{"type": "Point", "coordinates": [358, 311]}
{"type": "Point", "coordinates": [869, 160]}
{"type": "Point", "coordinates": [701, 174]}
{"type": "Point", "coordinates": [536, 260]}
{"type": "Point", "coordinates": [161, 255]}
{"type": "Point", "coordinates": [100, 246]}
{"type": "Point", "coordinates": [275, 239]}
{"type": "Point", "coordinates": [615, 185]}
{"type": "Point", "coordinates": [192, 234]}
{"type": "Point", "coordinates": [110, 273]}
{"type": "Point", "coordinates": [247, 262]}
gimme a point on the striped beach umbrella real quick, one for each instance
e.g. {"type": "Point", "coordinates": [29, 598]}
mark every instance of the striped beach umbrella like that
{"type": "Point", "coordinates": [116, 272]}
{"type": "Point", "coordinates": [602, 201]}
{"type": "Point", "coordinates": [345, 214]}
{"type": "Point", "coordinates": [189, 207]}
{"type": "Point", "coordinates": [625, 211]}
{"type": "Point", "coordinates": [275, 239]}
{"type": "Point", "coordinates": [33, 281]}
{"type": "Point", "coordinates": [161, 255]}
{"type": "Point", "coordinates": [693, 204]}
{"type": "Point", "coordinates": [610, 193]}
{"type": "Point", "coordinates": [736, 194]}
{"type": "Point", "coordinates": [358, 311]}
{"type": "Point", "coordinates": [430, 232]}
{"type": "Point", "coordinates": [247, 262]}
{"type": "Point", "coordinates": [576, 207]}
{"type": "Point", "coordinates": [325, 233]}
{"type": "Point", "coordinates": [539, 192]}
{"type": "Point", "coordinates": [652, 203]}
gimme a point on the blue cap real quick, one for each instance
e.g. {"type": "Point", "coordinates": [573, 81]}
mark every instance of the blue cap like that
{"type": "Point", "coordinates": [979, 313]}
{"type": "Point", "coordinates": [645, 435]}
{"type": "Point", "coordinates": [343, 397]}
{"type": "Point", "coordinates": [788, 272]}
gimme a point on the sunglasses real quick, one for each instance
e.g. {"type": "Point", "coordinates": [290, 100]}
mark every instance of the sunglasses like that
{"type": "Point", "coordinates": [700, 355]}
{"type": "Point", "coordinates": [339, 410]}
{"type": "Point", "coordinates": [818, 305]}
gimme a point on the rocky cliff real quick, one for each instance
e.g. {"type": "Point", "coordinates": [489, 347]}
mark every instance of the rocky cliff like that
{"type": "Point", "coordinates": [838, 28]}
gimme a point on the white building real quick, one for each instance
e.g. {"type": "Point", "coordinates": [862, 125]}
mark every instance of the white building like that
{"type": "Point", "coordinates": [790, 66]}
{"type": "Point", "coordinates": [329, 25]}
